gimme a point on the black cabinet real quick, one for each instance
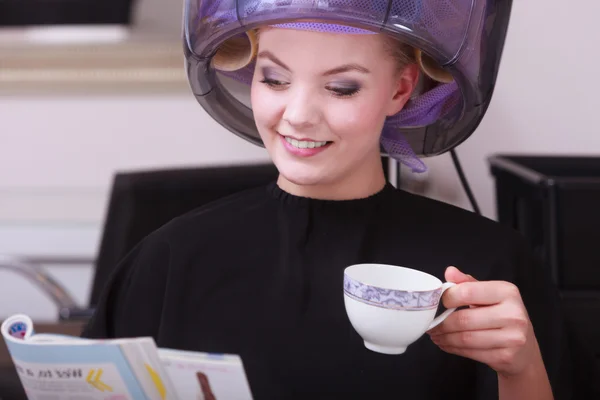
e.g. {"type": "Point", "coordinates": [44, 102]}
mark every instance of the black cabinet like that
{"type": "Point", "coordinates": [554, 201]}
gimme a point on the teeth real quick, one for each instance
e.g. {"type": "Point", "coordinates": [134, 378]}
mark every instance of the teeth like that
{"type": "Point", "coordinates": [304, 144]}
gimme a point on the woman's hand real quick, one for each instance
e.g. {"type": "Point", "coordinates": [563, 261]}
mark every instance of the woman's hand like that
{"type": "Point", "coordinates": [495, 330]}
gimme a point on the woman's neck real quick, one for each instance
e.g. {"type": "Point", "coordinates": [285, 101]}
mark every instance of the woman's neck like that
{"type": "Point", "coordinates": [368, 180]}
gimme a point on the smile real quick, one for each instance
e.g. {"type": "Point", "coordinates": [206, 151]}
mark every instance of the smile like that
{"type": "Point", "coordinates": [305, 144]}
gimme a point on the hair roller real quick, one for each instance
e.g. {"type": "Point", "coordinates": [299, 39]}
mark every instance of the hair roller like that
{"type": "Point", "coordinates": [236, 52]}
{"type": "Point", "coordinates": [431, 68]}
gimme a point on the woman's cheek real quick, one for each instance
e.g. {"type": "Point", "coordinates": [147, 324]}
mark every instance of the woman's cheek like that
{"type": "Point", "coordinates": [355, 119]}
{"type": "Point", "coordinates": [265, 106]}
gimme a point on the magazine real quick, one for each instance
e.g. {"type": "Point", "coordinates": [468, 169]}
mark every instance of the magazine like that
{"type": "Point", "coordinates": [54, 366]}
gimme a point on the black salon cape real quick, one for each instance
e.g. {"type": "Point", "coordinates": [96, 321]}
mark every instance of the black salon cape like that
{"type": "Point", "coordinates": [259, 274]}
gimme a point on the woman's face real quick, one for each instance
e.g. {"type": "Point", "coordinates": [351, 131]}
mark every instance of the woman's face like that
{"type": "Point", "coordinates": [320, 101]}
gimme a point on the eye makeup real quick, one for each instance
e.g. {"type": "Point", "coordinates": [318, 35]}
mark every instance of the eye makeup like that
{"type": "Point", "coordinates": [341, 89]}
{"type": "Point", "coordinates": [272, 79]}
{"type": "Point", "coordinates": [344, 89]}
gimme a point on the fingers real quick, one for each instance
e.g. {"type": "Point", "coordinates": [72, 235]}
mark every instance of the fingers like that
{"type": "Point", "coordinates": [472, 319]}
{"type": "Point", "coordinates": [481, 340]}
{"type": "Point", "coordinates": [479, 293]}
{"type": "Point", "coordinates": [495, 330]}
{"type": "Point", "coordinates": [453, 274]}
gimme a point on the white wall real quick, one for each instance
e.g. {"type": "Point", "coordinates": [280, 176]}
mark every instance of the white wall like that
{"type": "Point", "coordinates": [57, 154]}
{"type": "Point", "coordinates": [57, 159]}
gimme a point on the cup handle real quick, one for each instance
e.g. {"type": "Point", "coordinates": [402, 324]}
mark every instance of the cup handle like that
{"type": "Point", "coordinates": [440, 318]}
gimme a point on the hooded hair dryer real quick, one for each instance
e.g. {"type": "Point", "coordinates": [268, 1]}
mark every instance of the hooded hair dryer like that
{"type": "Point", "coordinates": [458, 45]}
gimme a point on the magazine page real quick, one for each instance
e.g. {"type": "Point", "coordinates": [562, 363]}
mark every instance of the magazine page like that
{"type": "Point", "coordinates": [204, 376]}
{"type": "Point", "coordinates": [73, 369]}
{"type": "Point", "coordinates": [150, 371]}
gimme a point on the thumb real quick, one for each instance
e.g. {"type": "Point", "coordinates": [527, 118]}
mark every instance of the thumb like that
{"type": "Point", "coordinates": [454, 275]}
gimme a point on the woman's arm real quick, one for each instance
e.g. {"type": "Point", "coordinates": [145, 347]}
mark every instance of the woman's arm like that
{"type": "Point", "coordinates": [531, 384]}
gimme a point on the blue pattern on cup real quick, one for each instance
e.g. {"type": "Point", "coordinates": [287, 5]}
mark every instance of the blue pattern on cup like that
{"type": "Point", "coordinates": [392, 299]}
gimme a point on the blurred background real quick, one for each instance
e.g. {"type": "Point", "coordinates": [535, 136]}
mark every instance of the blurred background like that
{"type": "Point", "coordinates": [92, 88]}
{"type": "Point", "coordinates": [82, 97]}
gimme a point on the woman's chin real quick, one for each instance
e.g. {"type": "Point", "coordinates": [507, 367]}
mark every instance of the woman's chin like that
{"type": "Point", "coordinates": [302, 179]}
{"type": "Point", "coordinates": [304, 171]}
{"type": "Point", "coordinates": [303, 175]}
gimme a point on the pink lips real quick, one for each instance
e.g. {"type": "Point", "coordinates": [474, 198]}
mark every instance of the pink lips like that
{"type": "Point", "coordinates": [302, 152]}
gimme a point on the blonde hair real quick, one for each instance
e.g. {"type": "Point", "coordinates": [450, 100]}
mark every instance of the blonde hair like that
{"type": "Point", "coordinates": [239, 51]}
{"type": "Point", "coordinates": [405, 54]}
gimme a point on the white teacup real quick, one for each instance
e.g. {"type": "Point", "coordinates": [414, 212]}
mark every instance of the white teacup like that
{"type": "Point", "coordinates": [391, 307]}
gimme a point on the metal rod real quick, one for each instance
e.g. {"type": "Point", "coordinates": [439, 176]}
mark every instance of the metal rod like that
{"type": "Point", "coordinates": [35, 274]}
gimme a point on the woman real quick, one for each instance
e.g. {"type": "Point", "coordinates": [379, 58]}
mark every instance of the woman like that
{"type": "Point", "coordinates": [260, 273]}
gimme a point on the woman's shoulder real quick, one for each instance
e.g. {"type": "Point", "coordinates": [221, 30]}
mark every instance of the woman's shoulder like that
{"type": "Point", "coordinates": [431, 213]}
{"type": "Point", "coordinates": [455, 235]}
{"type": "Point", "coordinates": [226, 213]}
{"type": "Point", "coordinates": [161, 258]}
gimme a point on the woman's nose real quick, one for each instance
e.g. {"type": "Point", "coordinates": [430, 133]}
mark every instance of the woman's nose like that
{"type": "Point", "coordinates": [301, 109]}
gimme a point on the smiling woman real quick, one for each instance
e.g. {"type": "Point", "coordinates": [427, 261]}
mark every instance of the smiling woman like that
{"type": "Point", "coordinates": [320, 118]}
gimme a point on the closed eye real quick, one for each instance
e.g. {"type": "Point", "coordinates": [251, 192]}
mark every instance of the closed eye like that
{"type": "Point", "coordinates": [273, 83]}
{"type": "Point", "coordinates": [344, 92]}
{"type": "Point", "coordinates": [336, 91]}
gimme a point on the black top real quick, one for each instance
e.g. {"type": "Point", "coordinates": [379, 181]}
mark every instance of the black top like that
{"type": "Point", "coordinates": [260, 274]}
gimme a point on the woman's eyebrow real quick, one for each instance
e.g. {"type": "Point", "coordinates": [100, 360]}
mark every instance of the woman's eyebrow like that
{"type": "Point", "coordinates": [268, 55]}
{"type": "Point", "coordinates": [337, 70]}
{"type": "Point", "coordinates": [346, 68]}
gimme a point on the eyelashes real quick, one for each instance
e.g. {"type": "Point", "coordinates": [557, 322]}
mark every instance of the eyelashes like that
{"type": "Point", "coordinates": [273, 83]}
{"type": "Point", "coordinates": [342, 92]}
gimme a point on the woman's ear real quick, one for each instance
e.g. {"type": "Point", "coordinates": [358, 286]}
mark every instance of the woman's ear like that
{"type": "Point", "coordinates": [406, 82]}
